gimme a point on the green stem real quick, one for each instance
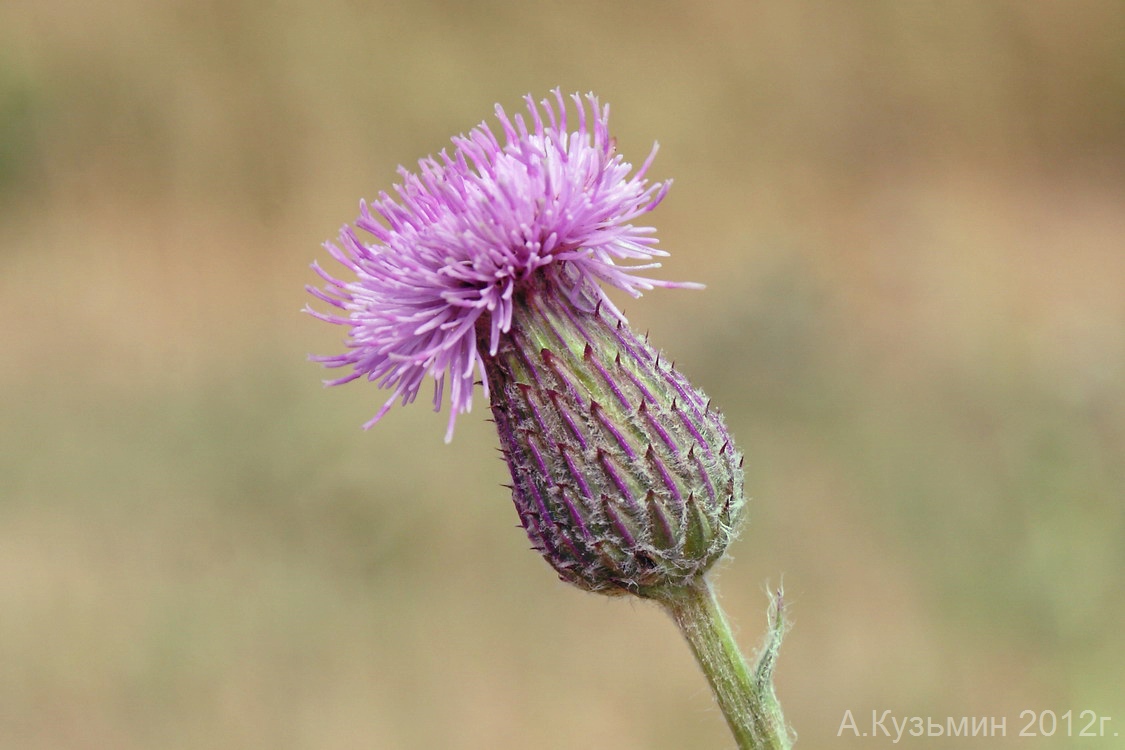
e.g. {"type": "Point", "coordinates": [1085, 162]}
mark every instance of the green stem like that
{"type": "Point", "coordinates": [746, 699]}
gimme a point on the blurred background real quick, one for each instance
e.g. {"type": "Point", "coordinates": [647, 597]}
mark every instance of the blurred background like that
{"type": "Point", "coordinates": [910, 217]}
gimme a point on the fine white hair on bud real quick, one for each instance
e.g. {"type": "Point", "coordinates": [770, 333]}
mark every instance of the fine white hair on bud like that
{"type": "Point", "coordinates": [624, 477]}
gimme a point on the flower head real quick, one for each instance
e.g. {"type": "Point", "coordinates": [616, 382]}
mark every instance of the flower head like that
{"type": "Point", "coordinates": [490, 261]}
{"type": "Point", "coordinates": [433, 294]}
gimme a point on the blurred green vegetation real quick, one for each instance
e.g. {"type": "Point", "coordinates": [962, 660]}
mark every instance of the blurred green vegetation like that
{"type": "Point", "coordinates": [911, 221]}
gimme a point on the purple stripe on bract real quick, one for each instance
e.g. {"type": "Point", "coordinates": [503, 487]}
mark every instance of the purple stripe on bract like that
{"type": "Point", "coordinates": [529, 365]}
{"type": "Point", "coordinates": [600, 414]}
{"type": "Point", "coordinates": [546, 321]}
{"type": "Point", "coordinates": [662, 470]}
{"type": "Point", "coordinates": [657, 511]}
{"type": "Point", "coordinates": [556, 399]}
{"type": "Point", "coordinates": [577, 475]}
{"type": "Point", "coordinates": [636, 349]}
{"type": "Point", "coordinates": [685, 389]}
{"type": "Point", "coordinates": [703, 473]}
{"type": "Point", "coordinates": [588, 355]}
{"type": "Point", "coordinates": [687, 422]}
{"type": "Point", "coordinates": [575, 321]}
{"type": "Point", "coordinates": [576, 516]}
{"type": "Point", "coordinates": [570, 546]}
{"type": "Point", "coordinates": [617, 522]}
{"type": "Point", "coordinates": [540, 424]}
{"type": "Point", "coordinates": [658, 428]}
{"type": "Point", "coordinates": [544, 472]}
{"type": "Point", "coordinates": [611, 471]}
{"type": "Point", "coordinates": [558, 367]}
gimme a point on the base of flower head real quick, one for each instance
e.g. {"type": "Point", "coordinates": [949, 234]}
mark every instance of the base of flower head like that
{"type": "Point", "coordinates": [624, 477]}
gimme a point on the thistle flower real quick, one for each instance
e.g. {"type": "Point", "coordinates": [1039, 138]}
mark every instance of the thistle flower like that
{"type": "Point", "coordinates": [488, 263]}
{"type": "Point", "coordinates": [469, 230]}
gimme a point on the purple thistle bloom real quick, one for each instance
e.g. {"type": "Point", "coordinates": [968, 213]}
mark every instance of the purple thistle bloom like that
{"type": "Point", "coordinates": [490, 261]}
{"type": "Point", "coordinates": [471, 229]}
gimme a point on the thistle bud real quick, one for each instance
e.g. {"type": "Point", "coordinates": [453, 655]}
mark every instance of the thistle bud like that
{"type": "Point", "coordinates": [624, 477]}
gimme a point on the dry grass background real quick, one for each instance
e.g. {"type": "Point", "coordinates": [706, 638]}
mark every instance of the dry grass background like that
{"type": "Point", "coordinates": [911, 220]}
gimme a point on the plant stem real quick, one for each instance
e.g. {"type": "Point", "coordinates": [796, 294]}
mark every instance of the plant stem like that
{"type": "Point", "coordinates": [746, 699]}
